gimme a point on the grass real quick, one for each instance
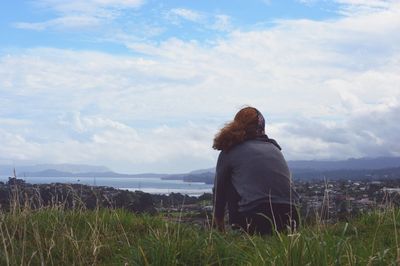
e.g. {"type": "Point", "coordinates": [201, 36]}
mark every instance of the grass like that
{"type": "Point", "coordinates": [54, 236]}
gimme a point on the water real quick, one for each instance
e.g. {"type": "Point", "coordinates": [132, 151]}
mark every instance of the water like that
{"type": "Point", "coordinates": [149, 185]}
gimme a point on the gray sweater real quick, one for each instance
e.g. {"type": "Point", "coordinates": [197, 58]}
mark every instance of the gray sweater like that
{"type": "Point", "coordinates": [258, 172]}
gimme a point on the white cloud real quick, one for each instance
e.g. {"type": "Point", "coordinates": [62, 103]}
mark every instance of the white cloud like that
{"type": "Point", "coordinates": [371, 132]}
{"type": "Point", "coordinates": [222, 23]}
{"type": "Point", "coordinates": [182, 13]}
{"type": "Point", "coordinates": [328, 89]}
{"type": "Point", "coordinates": [69, 22]}
{"type": "Point", "coordinates": [77, 14]}
{"type": "Point", "coordinates": [208, 21]}
{"type": "Point", "coordinates": [370, 3]}
{"type": "Point", "coordinates": [16, 147]}
{"type": "Point", "coordinates": [88, 6]}
{"type": "Point", "coordinates": [363, 7]}
{"type": "Point", "coordinates": [113, 143]}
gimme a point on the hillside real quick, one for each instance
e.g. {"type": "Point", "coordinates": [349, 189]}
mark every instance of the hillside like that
{"type": "Point", "coordinates": [116, 237]}
{"type": "Point", "coordinates": [74, 224]}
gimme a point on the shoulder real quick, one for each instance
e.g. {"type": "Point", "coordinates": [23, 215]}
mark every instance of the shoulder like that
{"type": "Point", "coordinates": [222, 157]}
{"type": "Point", "coordinates": [260, 143]}
{"type": "Point", "coordinates": [256, 148]}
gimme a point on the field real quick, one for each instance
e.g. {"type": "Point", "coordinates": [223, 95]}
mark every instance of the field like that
{"type": "Point", "coordinates": [54, 235]}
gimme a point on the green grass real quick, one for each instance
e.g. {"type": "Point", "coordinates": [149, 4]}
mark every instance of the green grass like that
{"type": "Point", "coordinates": [115, 237]}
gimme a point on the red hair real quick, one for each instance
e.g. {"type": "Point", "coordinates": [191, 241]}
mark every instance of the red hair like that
{"type": "Point", "coordinates": [242, 128]}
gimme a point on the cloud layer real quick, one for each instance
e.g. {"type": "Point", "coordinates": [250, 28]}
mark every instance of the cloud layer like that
{"type": "Point", "coordinates": [329, 89]}
{"type": "Point", "coordinates": [76, 14]}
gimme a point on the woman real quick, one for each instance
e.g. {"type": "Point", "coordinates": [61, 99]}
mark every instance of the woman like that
{"type": "Point", "coordinates": [252, 178]}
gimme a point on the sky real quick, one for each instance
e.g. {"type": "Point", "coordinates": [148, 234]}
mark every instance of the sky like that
{"type": "Point", "coordinates": [144, 85]}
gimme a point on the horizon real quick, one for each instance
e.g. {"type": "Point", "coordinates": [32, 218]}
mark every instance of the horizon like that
{"type": "Point", "coordinates": [143, 86]}
{"type": "Point", "coordinates": [44, 165]}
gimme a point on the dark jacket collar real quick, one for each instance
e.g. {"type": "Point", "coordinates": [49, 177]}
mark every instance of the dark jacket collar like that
{"type": "Point", "coordinates": [265, 138]}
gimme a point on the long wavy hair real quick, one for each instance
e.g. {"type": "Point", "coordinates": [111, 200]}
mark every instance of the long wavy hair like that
{"type": "Point", "coordinates": [245, 126]}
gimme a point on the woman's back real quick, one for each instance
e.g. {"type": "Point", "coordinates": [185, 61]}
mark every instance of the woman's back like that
{"type": "Point", "coordinates": [259, 173]}
{"type": "Point", "coordinates": [252, 177]}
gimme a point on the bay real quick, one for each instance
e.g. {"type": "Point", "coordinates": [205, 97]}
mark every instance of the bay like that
{"type": "Point", "coordinates": [145, 184]}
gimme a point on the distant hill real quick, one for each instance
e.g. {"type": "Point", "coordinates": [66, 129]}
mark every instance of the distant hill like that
{"type": "Point", "coordinates": [351, 168]}
{"type": "Point", "coordinates": [71, 168]}
{"type": "Point", "coordinates": [56, 173]}
{"type": "Point", "coordinates": [350, 164]}
{"type": "Point", "coordinates": [371, 168]}
{"type": "Point", "coordinates": [67, 170]}
{"type": "Point", "coordinates": [202, 171]}
{"type": "Point", "coordinates": [203, 177]}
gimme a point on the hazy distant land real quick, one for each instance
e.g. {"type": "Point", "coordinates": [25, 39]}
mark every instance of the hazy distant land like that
{"type": "Point", "coordinates": [362, 168]}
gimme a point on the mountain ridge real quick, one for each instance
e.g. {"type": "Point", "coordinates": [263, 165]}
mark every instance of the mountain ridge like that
{"type": "Point", "coordinates": [71, 168]}
{"type": "Point", "coordinates": [300, 168]}
{"type": "Point", "coordinates": [363, 163]}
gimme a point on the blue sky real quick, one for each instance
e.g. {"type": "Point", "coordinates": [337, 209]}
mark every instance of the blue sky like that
{"type": "Point", "coordinates": [143, 86]}
{"type": "Point", "coordinates": [147, 20]}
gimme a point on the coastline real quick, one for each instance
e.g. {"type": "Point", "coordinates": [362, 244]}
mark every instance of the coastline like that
{"type": "Point", "coordinates": [152, 185]}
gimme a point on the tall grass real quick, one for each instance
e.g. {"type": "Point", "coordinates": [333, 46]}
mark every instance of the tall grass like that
{"type": "Point", "coordinates": [55, 235]}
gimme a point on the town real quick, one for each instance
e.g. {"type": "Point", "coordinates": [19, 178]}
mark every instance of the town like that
{"type": "Point", "coordinates": [321, 200]}
{"type": "Point", "coordinates": [340, 199]}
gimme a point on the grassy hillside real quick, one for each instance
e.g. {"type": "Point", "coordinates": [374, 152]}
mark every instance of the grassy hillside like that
{"type": "Point", "coordinates": [116, 237]}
